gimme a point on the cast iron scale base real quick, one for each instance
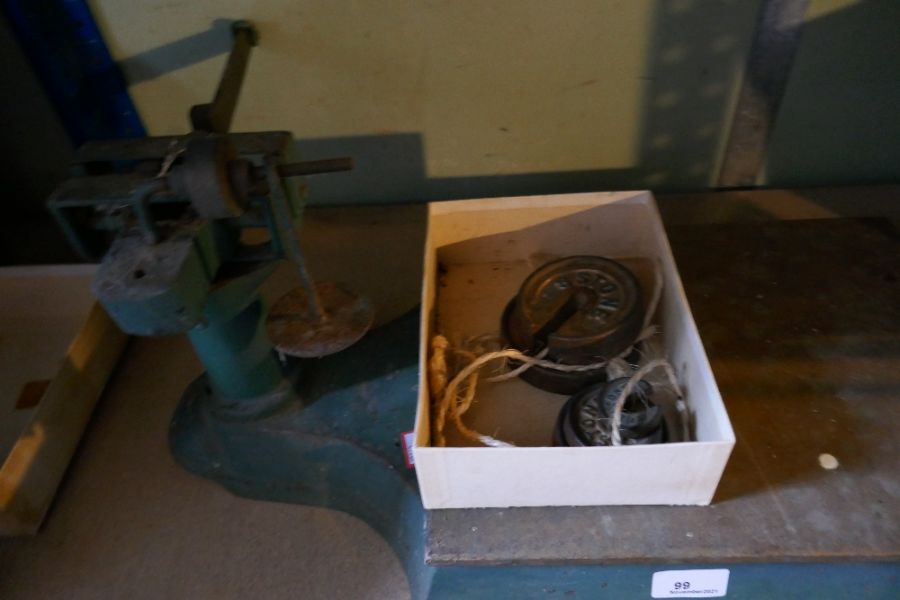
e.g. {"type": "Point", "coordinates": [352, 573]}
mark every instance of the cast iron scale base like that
{"type": "Point", "coordinates": [333, 442]}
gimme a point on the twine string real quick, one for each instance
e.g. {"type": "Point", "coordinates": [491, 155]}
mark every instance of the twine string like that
{"type": "Point", "coordinates": [454, 405]}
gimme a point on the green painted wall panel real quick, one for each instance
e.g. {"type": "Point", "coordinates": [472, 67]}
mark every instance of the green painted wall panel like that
{"type": "Point", "coordinates": [839, 122]}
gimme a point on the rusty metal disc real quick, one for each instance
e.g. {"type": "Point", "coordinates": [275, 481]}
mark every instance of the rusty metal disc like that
{"type": "Point", "coordinates": [297, 331]}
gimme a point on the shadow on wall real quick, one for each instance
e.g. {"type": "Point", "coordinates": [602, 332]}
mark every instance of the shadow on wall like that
{"type": "Point", "coordinates": [695, 52]}
{"type": "Point", "coordinates": [839, 122]}
{"type": "Point", "coordinates": [190, 50]}
{"type": "Point", "coordinates": [693, 68]}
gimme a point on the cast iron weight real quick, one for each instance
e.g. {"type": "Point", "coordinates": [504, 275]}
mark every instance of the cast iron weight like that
{"type": "Point", "coordinates": [586, 418]}
{"type": "Point", "coordinates": [582, 310]}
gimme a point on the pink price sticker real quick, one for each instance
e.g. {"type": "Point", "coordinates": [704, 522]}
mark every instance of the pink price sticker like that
{"type": "Point", "coordinates": [406, 440]}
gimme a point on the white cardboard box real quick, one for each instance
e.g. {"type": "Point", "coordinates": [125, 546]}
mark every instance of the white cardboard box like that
{"type": "Point", "coordinates": [485, 249]}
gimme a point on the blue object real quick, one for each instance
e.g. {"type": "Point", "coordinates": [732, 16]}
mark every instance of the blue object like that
{"type": "Point", "coordinates": [84, 84]}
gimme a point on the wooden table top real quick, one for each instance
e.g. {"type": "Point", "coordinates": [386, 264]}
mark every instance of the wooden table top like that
{"type": "Point", "coordinates": [801, 321]}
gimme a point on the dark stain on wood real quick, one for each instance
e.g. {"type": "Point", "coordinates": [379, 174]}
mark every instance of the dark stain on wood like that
{"type": "Point", "coordinates": [31, 394]}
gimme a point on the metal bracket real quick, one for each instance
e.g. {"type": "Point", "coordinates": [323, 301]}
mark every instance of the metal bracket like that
{"type": "Point", "coordinates": [775, 43]}
{"type": "Point", "coordinates": [216, 116]}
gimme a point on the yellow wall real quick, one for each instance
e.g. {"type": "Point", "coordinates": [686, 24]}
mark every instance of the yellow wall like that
{"type": "Point", "coordinates": [587, 93]}
{"type": "Point", "coordinates": [839, 121]}
{"type": "Point", "coordinates": [458, 98]}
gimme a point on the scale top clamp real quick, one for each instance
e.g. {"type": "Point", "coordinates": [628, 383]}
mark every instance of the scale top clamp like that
{"type": "Point", "coordinates": [166, 214]}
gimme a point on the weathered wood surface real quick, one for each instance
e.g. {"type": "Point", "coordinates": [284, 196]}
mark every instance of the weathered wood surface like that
{"type": "Point", "coordinates": [801, 321]}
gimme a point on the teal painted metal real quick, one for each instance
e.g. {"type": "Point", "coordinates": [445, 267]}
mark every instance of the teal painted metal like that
{"type": "Point", "coordinates": [802, 581]}
{"type": "Point", "coordinates": [244, 378]}
{"type": "Point", "coordinates": [232, 343]}
{"type": "Point", "coordinates": [239, 359]}
{"type": "Point", "coordinates": [334, 444]}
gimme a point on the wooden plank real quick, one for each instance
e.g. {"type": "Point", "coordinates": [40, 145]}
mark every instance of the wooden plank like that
{"type": "Point", "coordinates": [42, 309]}
{"type": "Point", "coordinates": [37, 462]}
